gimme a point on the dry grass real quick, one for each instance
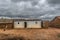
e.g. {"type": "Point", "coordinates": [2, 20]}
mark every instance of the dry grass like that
{"type": "Point", "coordinates": [31, 34]}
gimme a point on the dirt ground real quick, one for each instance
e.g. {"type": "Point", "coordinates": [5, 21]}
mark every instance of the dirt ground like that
{"type": "Point", "coordinates": [30, 34]}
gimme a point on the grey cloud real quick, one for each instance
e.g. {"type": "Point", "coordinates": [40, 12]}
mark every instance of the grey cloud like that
{"type": "Point", "coordinates": [18, 0]}
{"type": "Point", "coordinates": [54, 2]}
{"type": "Point", "coordinates": [34, 2]}
{"type": "Point", "coordinates": [29, 8]}
{"type": "Point", "coordinates": [22, 0]}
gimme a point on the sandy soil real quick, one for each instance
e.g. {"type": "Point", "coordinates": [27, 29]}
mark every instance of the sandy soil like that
{"type": "Point", "coordinates": [31, 34]}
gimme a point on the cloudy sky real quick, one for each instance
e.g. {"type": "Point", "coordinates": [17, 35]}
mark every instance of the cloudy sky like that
{"type": "Point", "coordinates": [45, 9]}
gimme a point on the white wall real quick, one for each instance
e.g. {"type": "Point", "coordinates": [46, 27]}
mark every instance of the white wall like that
{"type": "Point", "coordinates": [30, 24]}
{"type": "Point", "coordinates": [20, 25]}
{"type": "Point", "coordinates": [33, 24]}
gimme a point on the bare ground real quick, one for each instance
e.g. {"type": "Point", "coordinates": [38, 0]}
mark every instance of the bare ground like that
{"type": "Point", "coordinates": [30, 34]}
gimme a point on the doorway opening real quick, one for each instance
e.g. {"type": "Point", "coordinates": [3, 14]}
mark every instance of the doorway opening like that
{"type": "Point", "coordinates": [25, 24]}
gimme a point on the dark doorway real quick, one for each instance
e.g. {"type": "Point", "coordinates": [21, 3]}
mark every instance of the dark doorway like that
{"type": "Point", "coordinates": [42, 24]}
{"type": "Point", "coordinates": [25, 24]}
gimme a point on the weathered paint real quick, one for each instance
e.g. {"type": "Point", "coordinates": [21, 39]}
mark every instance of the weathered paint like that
{"type": "Point", "coordinates": [34, 24]}
{"type": "Point", "coordinates": [45, 24]}
{"type": "Point", "coordinates": [19, 24]}
{"type": "Point", "coordinates": [29, 24]}
{"type": "Point", "coordinates": [6, 25]}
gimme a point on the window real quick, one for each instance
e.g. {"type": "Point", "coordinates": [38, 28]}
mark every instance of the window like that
{"type": "Point", "coordinates": [18, 22]}
{"type": "Point", "coordinates": [36, 22]}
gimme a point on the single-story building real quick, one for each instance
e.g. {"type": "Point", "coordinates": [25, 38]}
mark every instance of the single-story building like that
{"type": "Point", "coordinates": [27, 23]}
{"type": "Point", "coordinates": [6, 23]}
{"type": "Point", "coordinates": [23, 23]}
{"type": "Point", "coordinates": [55, 22]}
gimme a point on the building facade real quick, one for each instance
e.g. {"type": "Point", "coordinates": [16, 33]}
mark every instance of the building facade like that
{"type": "Point", "coordinates": [23, 23]}
{"type": "Point", "coordinates": [6, 23]}
{"type": "Point", "coordinates": [29, 23]}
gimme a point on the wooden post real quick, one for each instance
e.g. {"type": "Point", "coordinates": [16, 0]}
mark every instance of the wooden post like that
{"type": "Point", "coordinates": [5, 28]}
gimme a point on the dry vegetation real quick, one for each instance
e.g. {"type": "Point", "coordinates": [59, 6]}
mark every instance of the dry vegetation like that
{"type": "Point", "coordinates": [30, 34]}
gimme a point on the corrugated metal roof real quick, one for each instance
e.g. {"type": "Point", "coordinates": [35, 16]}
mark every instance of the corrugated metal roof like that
{"type": "Point", "coordinates": [27, 19]}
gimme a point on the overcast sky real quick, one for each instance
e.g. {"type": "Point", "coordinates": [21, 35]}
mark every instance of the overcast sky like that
{"type": "Point", "coordinates": [30, 8]}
